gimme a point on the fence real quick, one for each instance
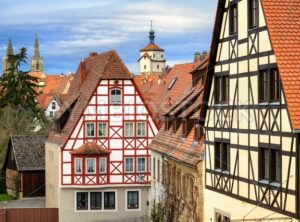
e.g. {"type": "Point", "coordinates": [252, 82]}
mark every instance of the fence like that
{"type": "Point", "coordinates": [29, 215]}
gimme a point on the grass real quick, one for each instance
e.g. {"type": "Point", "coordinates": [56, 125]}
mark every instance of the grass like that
{"type": "Point", "coordinates": [5, 197]}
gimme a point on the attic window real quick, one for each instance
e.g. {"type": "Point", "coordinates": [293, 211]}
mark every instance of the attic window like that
{"type": "Point", "coordinates": [172, 83]}
{"type": "Point", "coordinates": [115, 96]}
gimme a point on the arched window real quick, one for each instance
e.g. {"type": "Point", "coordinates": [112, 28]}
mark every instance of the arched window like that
{"type": "Point", "coordinates": [115, 96]}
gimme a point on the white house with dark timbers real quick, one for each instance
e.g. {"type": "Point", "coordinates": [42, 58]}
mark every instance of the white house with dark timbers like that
{"type": "Point", "coordinates": [252, 119]}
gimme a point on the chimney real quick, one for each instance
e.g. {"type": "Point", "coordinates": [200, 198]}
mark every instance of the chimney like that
{"type": "Point", "coordinates": [197, 57]}
{"type": "Point", "coordinates": [93, 54]}
{"type": "Point", "coordinates": [204, 55]}
{"type": "Point", "coordinates": [82, 71]}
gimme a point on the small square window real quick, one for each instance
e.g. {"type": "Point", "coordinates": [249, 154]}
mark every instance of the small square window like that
{"type": "Point", "coordinates": [132, 200]}
{"type": "Point", "coordinates": [96, 199]}
{"type": "Point", "coordinates": [129, 129]}
{"type": "Point", "coordinates": [102, 129]}
{"type": "Point", "coordinates": [129, 166]}
{"type": "Point", "coordinates": [90, 129]}
{"type": "Point", "coordinates": [141, 129]}
{"type": "Point", "coordinates": [109, 200]}
{"type": "Point", "coordinates": [82, 200]}
{"type": "Point", "coordinates": [141, 164]}
{"type": "Point", "coordinates": [90, 166]}
{"type": "Point", "coordinates": [78, 166]}
{"type": "Point", "coordinates": [102, 165]}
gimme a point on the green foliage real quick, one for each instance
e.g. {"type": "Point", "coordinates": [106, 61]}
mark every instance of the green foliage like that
{"type": "Point", "coordinates": [157, 212]}
{"type": "Point", "coordinates": [5, 197]}
{"type": "Point", "coordinates": [18, 88]}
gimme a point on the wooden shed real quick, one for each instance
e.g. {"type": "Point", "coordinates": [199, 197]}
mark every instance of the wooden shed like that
{"type": "Point", "coordinates": [24, 166]}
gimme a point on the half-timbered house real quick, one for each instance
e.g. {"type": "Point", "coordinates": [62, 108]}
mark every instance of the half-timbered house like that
{"type": "Point", "coordinates": [177, 154]}
{"type": "Point", "coordinates": [97, 158]}
{"type": "Point", "coordinates": [252, 117]}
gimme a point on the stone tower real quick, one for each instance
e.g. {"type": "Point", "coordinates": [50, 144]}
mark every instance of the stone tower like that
{"type": "Point", "coordinates": [151, 59]}
{"type": "Point", "coordinates": [9, 52]}
{"type": "Point", "coordinates": [36, 63]}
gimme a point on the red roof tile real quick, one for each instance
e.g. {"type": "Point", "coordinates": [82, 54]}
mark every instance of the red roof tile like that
{"type": "Point", "coordinates": [283, 22]}
{"type": "Point", "coordinates": [152, 47]}
{"type": "Point", "coordinates": [91, 148]}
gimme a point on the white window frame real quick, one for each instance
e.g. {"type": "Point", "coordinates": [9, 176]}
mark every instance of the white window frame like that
{"type": "Point", "coordinates": [106, 129]}
{"type": "Point", "coordinates": [125, 131]}
{"type": "Point", "coordinates": [105, 168]}
{"type": "Point", "coordinates": [86, 166]}
{"type": "Point", "coordinates": [114, 102]}
{"type": "Point", "coordinates": [137, 124]}
{"type": "Point", "coordinates": [126, 199]}
{"type": "Point", "coordinates": [86, 129]}
{"type": "Point", "coordinates": [89, 200]}
{"type": "Point", "coordinates": [75, 166]}
{"type": "Point", "coordinates": [137, 165]}
{"type": "Point", "coordinates": [132, 164]}
{"type": "Point", "coordinates": [53, 105]}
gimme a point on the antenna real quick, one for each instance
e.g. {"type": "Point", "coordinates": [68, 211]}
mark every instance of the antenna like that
{"type": "Point", "coordinates": [151, 24]}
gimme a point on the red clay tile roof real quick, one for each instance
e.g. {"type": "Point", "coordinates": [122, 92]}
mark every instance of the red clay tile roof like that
{"type": "Point", "coordinates": [152, 47]}
{"type": "Point", "coordinates": [283, 22]}
{"type": "Point", "coordinates": [107, 65]}
{"type": "Point", "coordinates": [91, 148]}
{"type": "Point", "coordinates": [170, 143]}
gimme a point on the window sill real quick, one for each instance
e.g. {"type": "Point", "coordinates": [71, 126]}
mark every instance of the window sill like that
{"type": "Point", "coordinates": [221, 104]}
{"type": "Point", "coordinates": [222, 171]}
{"type": "Point", "coordinates": [270, 183]}
{"type": "Point", "coordinates": [268, 103]}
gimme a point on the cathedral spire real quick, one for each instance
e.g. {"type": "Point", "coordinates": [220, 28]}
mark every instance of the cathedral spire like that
{"type": "Point", "coordinates": [151, 33]}
{"type": "Point", "coordinates": [9, 50]}
{"type": "Point", "coordinates": [36, 59]}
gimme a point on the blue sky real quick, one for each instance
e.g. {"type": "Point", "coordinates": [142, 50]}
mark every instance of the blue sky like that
{"type": "Point", "coordinates": [70, 29]}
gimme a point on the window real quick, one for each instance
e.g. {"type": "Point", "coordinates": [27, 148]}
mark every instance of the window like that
{"type": "Point", "coordinates": [253, 14]}
{"type": "Point", "coordinates": [53, 105]}
{"type": "Point", "coordinates": [270, 164]}
{"type": "Point", "coordinates": [90, 129]}
{"type": "Point", "coordinates": [154, 168]}
{"type": "Point", "coordinates": [198, 132]}
{"type": "Point", "coordinates": [82, 200]}
{"type": "Point", "coordinates": [158, 170]}
{"type": "Point", "coordinates": [222, 156]}
{"type": "Point", "coordinates": [102, 165]}
{"type": "Point", "coordinates": [109, 200]}
{"type": "Point", "coordinates": [96, 199]}
{"type": "Point", "coordinates": [141, 129]}
{"type": "Point", "coordinates": [115, 96]}
{"type": "Point", "coordinates": [161, 56]}
{"type": "Point", "coordinates": [90, 165]}
{"type": "Point", "coordinates": [129, 165]}
{"type": "Point", "coordinates": [157, 66]}
{"type": "Point", "coordinates": [172, 83]}
{"type": "Point", "coordinates": [269, 85]}
{"type": "Point", "coordinates": [141, 164]}
{"type": "Point", "coordinates": [78, 165]}
{"type": "Point", "coordinates": [132, 200]}
{"type": "Point", "coordinates": [221, 89]}
{"type": "Point", "coordinates": [129, 129]}
{"type": "Point", "coordinates": [153, 55]}
{"type": "Point", "coordinates": [145, 67]}
{"type": "Point", "coordinates": [233, 19]}
{"type": "Point", "coordinates": [102, 129]}
{"type": "Point", "coordinates": [51, 113]}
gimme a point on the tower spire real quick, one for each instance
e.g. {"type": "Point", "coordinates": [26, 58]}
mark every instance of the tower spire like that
{"type": "Point", "coordinates": [151, 33]}
{"type": "Point", "coordinates": [9, 50]}
{"type": "Point", "coordinates": [36, 59]}
{"type": "Point", "coordinates": [36, 47]}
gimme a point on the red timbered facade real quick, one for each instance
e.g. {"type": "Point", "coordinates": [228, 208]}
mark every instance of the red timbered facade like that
{"type": "Point", "coordinates": [103, 132]}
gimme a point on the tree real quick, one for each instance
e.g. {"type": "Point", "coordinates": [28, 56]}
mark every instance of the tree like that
{"type": "Point", "coordinates": [18, 88]}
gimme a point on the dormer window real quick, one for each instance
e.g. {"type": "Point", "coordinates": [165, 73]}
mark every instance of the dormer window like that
{"type": "Point", "coordinates": [115, 96]}
{"type": "Point", "coordinates": [198, 133]}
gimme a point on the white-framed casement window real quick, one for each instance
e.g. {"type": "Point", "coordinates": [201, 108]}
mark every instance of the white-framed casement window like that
{"type": "Point", "coordinates": [109, 200]}
{"type": "Point", "coordinates": [129, 164]}
{"type": "Point", "coordinates": [141, 129]}
{"type": "Point", "coordinates": [115, 96]}
{"type": "Point", "coordinates": [102, 165]}
{"type": "Point", "coordinates": [133, 199]}
{"type": "Point", "coordinates": [129, 129]}
{"type": "Point", "coordinates": [90, 129]}
{"type": "Point", "coordinates": [90, 165]}
{"type": "Point", "coordinates": [78, 166]}
{"type": "Point", "coordinates": [141, 164]}
{"type": "Point", "coordinates": [102, 129]}
{"type": "Point", "coordinates": [82, 200]}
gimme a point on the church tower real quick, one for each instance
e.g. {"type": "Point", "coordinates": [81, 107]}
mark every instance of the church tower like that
{"type": "Point", "coordinates": [151, 59]}
{"type": "Point", "coordinates": [36, 63]}
{"type": "Point", "coordinates": [9, 52]}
